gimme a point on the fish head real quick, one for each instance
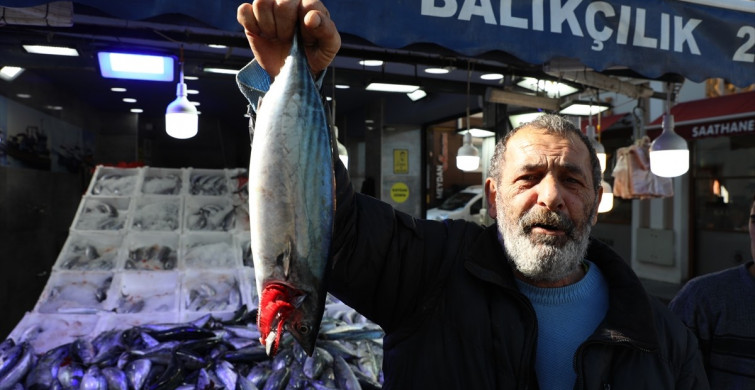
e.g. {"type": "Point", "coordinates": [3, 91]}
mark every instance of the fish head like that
{"type": "Point", "coordinates": [284, 307]}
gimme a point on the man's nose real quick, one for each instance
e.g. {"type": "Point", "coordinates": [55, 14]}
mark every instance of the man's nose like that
{"type": "Point", "coordinates": [549, 193]}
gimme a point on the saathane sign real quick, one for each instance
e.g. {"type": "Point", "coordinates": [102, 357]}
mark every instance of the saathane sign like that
{"type": "Point", "coordinates": [722, 128]}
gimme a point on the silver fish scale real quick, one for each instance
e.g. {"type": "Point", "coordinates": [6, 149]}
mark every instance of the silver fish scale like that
{"type": "Point", "coordinates": [291, 186]}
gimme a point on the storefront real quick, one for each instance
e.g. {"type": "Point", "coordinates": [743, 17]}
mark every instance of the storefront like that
{"type": "Point", "coordinates": [721, 136]}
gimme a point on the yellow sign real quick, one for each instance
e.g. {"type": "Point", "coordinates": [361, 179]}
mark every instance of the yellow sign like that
{"type": "Point", "coordinates": [400, 160]}
{"type": "Point", "coordinates": [399, 192]}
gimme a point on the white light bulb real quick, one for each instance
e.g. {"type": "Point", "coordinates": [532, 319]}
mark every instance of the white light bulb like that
{"type": "Point", "coordinates": [669, 154]}
{"type": "Point", "coordinates": [606, 200]}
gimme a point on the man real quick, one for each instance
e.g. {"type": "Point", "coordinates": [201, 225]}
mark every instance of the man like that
{"type": "Point", "coordinates": [529, 302]}
{"type": "Point", "coordinates": [720, 310]}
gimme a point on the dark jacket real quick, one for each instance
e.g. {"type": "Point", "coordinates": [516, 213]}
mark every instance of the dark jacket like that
{"type": "Point", "coordinates": [454, 318]}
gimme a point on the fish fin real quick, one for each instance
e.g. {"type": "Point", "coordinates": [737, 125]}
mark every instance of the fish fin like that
{"type": "Point", "coordinates": [285, 258]}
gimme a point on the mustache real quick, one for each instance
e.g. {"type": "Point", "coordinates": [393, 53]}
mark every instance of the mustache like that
{"type": "Point", "coordinates": [547, 219]}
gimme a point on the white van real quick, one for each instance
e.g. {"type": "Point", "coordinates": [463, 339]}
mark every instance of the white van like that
{"type": "Point", "coordinates": [465, 204]}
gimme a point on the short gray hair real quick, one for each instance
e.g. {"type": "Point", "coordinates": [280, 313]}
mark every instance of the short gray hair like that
{"type": "Point", "coordinates": [552, 124]}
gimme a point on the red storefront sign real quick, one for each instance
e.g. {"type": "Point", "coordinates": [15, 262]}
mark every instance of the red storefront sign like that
{"type": "Point", "coordinates": [723, 116]}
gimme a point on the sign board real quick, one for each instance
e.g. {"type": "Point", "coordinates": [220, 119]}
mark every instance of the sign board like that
{"type": "Point", "coordinates": [698, 39]}
{"type": "Point", "coordinates": [399, 192]}
{"type": "Point", "coordinates": [401, 161]}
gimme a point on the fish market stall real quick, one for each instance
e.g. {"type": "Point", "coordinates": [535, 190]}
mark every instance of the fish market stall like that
{"type": "Point", "coordinates": [154, 288]}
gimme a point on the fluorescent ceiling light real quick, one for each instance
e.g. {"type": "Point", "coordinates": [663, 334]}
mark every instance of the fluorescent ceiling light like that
{"type": "Point", "coordinates": [491, 76]}
{"type": "Point", "coordinates": [54, 108]}
{"type": "Point", "coordinates": [216, 46]}
{"type": "Point", "coordinates": [52, 50]}
{"type": "Point", "coordinates": [191, 77]}
{"type": "Point", "coordinates": [9, 73]}
{"type": "Point", "coordinates": [118, 89]}
{"type": "Point", "coordinates": [137, 110]}
{"type": "Point", "coordinates": [342, 86]}
{"type": "Point", "coordinates": [520, 119]}
{"type": "Point", "coordinates": [437, 70]}
{"type": "Point", "coordinates": [23, 95]}
{"type": "Point", "coordinates": [478, 133]}
{"type": "Point", "coordinates": [221, 70]}
{"type": "Point", "coordinates": [192, 91]}
{"type": "Point", "coordinates": [194, 103]}
{"type": "Point", "coordinates": [416, 95]}
{"type": "Point", "coordinates": [387, 87]}
{"type": "Point", "coordinates": [371, 62]}
{"type": "Point", "coordinates": [551, 88]}
{"type": "Point", "coordinates": [583, 108]}
{"type": "Point", "coordinates": [129, 100]}
{"type": "Point", "coordinates": [132, 66]}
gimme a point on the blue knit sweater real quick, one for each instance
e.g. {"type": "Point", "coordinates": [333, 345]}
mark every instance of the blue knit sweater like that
{"type": "Point", "coordinates": [720, 309]}
{"type": "Point", "coordinates": [566, 316]}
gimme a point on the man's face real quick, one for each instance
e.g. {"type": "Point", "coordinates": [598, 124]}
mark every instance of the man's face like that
{"type": "Point", "coordinates": [545, 203]}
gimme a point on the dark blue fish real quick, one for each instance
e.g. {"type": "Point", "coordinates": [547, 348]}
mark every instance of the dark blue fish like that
{"type": "Point", "coordinates": [278, 380]}
{"type": "Point", "coordinates": [46, 370]}
{"type": "Point", "coordinates": [116, 378]}
{"type": "Point", "coordinates": [93, 379]}
{"type": "Point", "coordinates": [345, 376]}
{"type": "Point", "coordinates": [70, 375]}
{"type": "Point", "coordinates": [15, 374]}
{"type": "Point", "coordinates": [137, 372]}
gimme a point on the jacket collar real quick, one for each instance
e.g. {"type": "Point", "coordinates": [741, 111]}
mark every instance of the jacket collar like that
{"type": "Point", "coordinates": [629, 317]}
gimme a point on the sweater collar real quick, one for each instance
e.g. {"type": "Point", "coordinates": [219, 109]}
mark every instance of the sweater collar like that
{"type": "Point", "coordinates": [629, 316]}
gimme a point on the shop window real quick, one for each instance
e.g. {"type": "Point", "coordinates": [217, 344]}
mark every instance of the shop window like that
{"type": "Point", "coordinates": [723, 182]}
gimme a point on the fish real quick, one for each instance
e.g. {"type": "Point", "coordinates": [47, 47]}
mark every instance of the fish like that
{"type": "Point", "coordinates": [45, 372]}
{"type": "Point", "coordinates": [24, 362]}
{"type": "Point", "coordinates": [116, 378]}
{"type": "Point", "coordinates": [203, 353]}
{"type": "Point", "coordinates": [291, 205]}
{"type": "Point", "coordinates": [93, 379]}
{"type": "Point", "coordinates": [345, 377]}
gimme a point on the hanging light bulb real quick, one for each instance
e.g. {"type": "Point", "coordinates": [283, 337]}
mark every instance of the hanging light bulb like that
{"type": "Point", "coordinates": [181, 117]}
{"type": "Point", "coordinates": [606, 201]}
{"type": "Point", "coordinates": [669, 154]}
{"type": "Point", "coordinates": [591, 135]}
{"type": "Point", "coordinates": [600, 150]}
{"type": "Point", "coordinates": [468, 157]}
{"type": "Point", "coordinates": [343, 154]}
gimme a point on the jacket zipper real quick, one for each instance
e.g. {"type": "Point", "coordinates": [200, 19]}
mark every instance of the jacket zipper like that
{"type": "Point", "coordinates": [577, 361]}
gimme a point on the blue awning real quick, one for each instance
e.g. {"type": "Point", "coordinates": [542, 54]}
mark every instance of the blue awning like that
{"type": "Point", "coordinates": [698, 39]}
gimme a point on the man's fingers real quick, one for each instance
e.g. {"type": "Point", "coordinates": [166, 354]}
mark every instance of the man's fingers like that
{"type": "Point", "coordinates": [286, 18]}
{"type": "Point", "coordinates": [245, 17]}
{"type": "Point", "coordinates": [321, 39]}
{"type": "Point", "coordinates": [264, 15]}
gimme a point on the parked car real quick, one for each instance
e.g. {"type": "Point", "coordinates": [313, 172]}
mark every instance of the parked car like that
{"type": "Point", "coordinates": [465, 204]}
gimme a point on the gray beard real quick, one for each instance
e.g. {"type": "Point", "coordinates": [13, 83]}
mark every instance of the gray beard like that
{"type": "Point", "coordinates": [541, 257]}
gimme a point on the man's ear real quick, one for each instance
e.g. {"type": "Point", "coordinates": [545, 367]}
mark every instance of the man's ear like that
{"type": "Point", "coordinates": [597, 204]}
{"type": "Point", "coordinates": [490, 191]}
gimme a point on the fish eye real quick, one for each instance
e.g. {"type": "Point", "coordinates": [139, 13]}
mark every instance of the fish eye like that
{"type": "Point", "coordinates": [302, 328]}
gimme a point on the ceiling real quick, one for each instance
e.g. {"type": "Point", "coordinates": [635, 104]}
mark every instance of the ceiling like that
{"type": "Point", "coordinates": [93, 31]}
{"type": "Point", "coordinates": [449, 96]}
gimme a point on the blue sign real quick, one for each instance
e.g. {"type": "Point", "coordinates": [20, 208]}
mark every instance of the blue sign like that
{"type": "Point", "coordinates": [697, 39]}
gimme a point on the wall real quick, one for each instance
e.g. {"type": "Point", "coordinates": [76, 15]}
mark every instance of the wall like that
{"type": "Point", "coordinates": [401, 170]}
{"type": "Point", "coordinates": [36, 210]}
